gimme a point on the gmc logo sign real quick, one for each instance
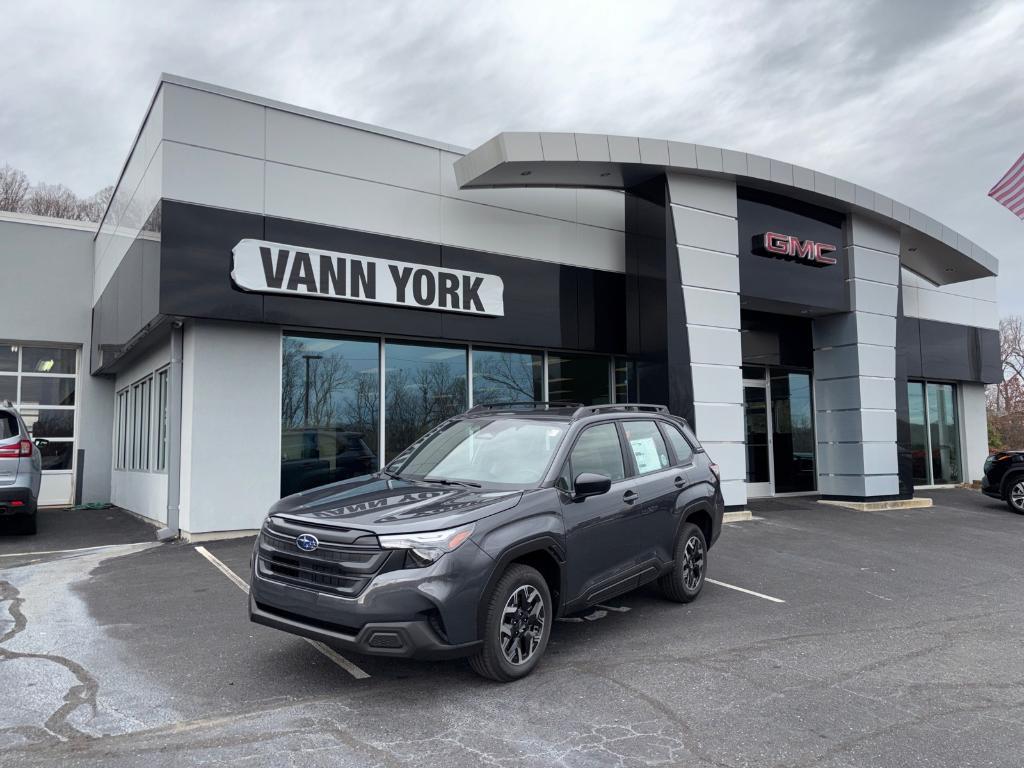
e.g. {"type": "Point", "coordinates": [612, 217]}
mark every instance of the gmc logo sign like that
{"type": "Point", "coordinates": [792, 248]}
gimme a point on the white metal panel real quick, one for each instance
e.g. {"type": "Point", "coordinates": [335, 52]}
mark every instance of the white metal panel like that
{"type": "Point", "coordinates": [709, 269]}
{"type": "Point", "coordinates": [705, 230]}
{"type": "Point", "coordinates": [204, 119]}
{"type": "Point", "coordinates": [717, 346]}
{"type": "Point", "coordinates": [322, 146]}
{"type": "Point", "coordinates": [710, 307]}
{"type": "Point", "coordinates": [703, 193]}
{"type": "Point", "coordinates": [209, 177]}
{"type": "Point", "coordinates": [719, 422]}
{"type": "Point", "coordinates": [717, 383]}
{"type": "Point", "coordinates": [341, 201]}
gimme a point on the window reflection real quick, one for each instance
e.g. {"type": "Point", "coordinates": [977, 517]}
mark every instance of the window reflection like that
{"type": "Point", "coordinates": [625, 381]}
{"type": "Point", "coordinates": [578, 379]}
{"type": "Point", "coordinates": [934, 433]}
{"type": "Point", "coordinates": [501, 376]}
{"type": "Point", "coordinates": [45, 390]}
{"type": "Point", "coordinates": [8, 357]}
{"type": "Point", "coordinates": [945, 435]}
{"type": "Point", "coordinates": [424, 385]}
{"type": "Point", "coordinates": [918, 433]}
{"type": "Point", "coordinates": [330, 403]}
{"type": "Point", "coordinates": [48, 360]}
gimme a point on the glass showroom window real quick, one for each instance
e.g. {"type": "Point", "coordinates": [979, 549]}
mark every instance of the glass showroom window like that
{"type": "Point", "coordinates": [505, 376]}
{"type": "Point", "coordinates": [40, 382]}
{"type": "Point", "coordinates": [121, 431]}
{"type": "Point", "coordinates": [579, 379]}
{"type": "Point", "coordinates": [934, 433]}
{"type": "Point", "coordinates": [625, 381]}
{"type": "Point", "coordinates": [330, 410]}
{"type": "Point", "coordinates": [161, 420]}
{"type": "Point", "coordinates": [332, 425]}
{"type": "Point", "coordinates": [423, 385]}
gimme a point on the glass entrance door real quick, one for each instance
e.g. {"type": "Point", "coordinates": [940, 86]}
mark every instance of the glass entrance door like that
{"type": "Point", "coordinates": [758, 432]}
{"type": "Point", "coordinates": [779, 416]}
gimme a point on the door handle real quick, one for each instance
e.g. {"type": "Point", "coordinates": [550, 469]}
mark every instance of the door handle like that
{"type": "Point", "coordinates": [630, 496]}
{"type": "Point", "coordinates": [680, 482]}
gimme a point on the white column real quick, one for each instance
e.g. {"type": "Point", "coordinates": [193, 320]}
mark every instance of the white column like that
{"type": "Point", "coordinates": [855, 368]}
{"type": "Point", "coordinates": [704, 215]}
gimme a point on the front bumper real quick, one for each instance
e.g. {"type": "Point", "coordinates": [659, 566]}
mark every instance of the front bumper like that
{"type": "Point", "coordinates": [989, 489]}
{"type": "Point", "coordinates": [428, 612]}
{"type": "Point", "coordinates": [16, 500]}
{"type": "Point", "coordinates": [403, 639]}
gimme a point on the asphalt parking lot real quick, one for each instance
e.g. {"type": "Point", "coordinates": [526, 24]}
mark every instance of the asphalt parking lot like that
{"type": "Point", "coordinates": [898, 642]}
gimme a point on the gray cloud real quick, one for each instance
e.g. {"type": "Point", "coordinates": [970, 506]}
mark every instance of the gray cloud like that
{"type": "Point", "coordinates": [919, 99]}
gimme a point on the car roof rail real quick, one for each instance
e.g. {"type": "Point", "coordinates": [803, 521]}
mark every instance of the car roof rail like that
{"type": "Point", "coordinates": [593, 410]}
{"type": "Point", "coordinates": [6, 404]}
{"type": "Point", "coordinates": [530, 405]}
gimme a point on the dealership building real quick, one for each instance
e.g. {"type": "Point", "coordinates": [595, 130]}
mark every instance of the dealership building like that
{"type": "Point", "coordinates": [278, 298]}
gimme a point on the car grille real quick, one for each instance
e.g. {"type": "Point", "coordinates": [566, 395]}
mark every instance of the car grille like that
{"type": "Point", "coordinates": [342, 569]}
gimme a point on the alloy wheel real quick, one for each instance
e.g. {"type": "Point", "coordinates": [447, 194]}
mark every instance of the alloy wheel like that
{"type": "Point", "coordinates": [1017, 496]}
{"type": "Point", "coordinates": [522, 624]}
{"type": "Point", "coordinates": [693, 562]}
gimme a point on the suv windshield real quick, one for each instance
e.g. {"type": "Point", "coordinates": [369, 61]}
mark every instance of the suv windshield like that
{"type": "Point", "coordinates": [506, 453]}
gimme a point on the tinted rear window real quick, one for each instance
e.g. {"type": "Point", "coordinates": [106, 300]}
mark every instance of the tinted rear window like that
{"type": "Point", "coordinates": [692, 437]}
{"type": "Point", "coordinates": [8, 425]}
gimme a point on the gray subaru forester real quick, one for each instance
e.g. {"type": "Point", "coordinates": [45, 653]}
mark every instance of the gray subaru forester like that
{"type": "Point", "coordinates": [21, 469]}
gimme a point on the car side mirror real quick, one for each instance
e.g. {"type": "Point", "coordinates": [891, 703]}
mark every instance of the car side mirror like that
{"type": "Point", "coordinates": [589, 484]}
{"type": "Point", "coordinates": [42, 442]}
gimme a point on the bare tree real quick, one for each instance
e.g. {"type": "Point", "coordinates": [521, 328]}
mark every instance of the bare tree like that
{"type": "Point", "coordinates": [1006, 398]}
{"type": "Point", "coordinates": [91, 209]}
{"type": "Point", "coordinates": [14, 188]}
{"type": "Point", "coordinates": [53, 200]}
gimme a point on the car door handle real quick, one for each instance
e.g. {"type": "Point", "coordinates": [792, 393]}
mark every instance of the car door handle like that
{"type": "Point", "coordinates": [630, 496]}
{"type": "Point", "coordinates": [680, 482]}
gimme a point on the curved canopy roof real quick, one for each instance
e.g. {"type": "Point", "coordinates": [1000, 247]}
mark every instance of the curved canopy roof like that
{"type": "Point", "coordinates": [521, 159]}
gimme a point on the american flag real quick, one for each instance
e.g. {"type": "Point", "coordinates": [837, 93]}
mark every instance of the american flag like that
{"type": "Point", "coordinates": [1009, 190]}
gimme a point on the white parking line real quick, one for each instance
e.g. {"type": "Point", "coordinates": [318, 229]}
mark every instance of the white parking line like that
{"type": "Point", "coordinates": [58, 551]}
{"type": "Point", "coordinates": [745, 591]}
{"type": "Point", "coordinates": [327, 651]}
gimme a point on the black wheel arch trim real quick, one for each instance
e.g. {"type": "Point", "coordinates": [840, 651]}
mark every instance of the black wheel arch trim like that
{"type": "Point", "coordinates": [696, 508]}
{"type": "Point", "coordinates": [1011, 477]}
{"type": "Point", "coordinates": [545, 544]}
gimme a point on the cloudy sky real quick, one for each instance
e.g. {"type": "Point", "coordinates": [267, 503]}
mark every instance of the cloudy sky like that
{"type": "Point", "coordinates": [922, 100]}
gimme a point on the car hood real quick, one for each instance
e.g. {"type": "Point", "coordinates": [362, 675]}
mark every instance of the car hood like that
{"type": "Point", "coordinates": [379, 504]}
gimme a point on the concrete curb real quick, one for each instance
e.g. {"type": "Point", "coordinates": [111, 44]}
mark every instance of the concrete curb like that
{"type": "Point", "coordinates": [737, 517]}
{"type": "Point", "coordinates": [880, 506]}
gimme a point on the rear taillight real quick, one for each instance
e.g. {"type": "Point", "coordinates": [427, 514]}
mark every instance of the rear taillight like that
{"type": "Point", "coordinates": [20, 450]}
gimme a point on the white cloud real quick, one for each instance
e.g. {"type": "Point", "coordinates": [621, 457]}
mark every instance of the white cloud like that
{"type": "Point", "coordinates": [920, 100]}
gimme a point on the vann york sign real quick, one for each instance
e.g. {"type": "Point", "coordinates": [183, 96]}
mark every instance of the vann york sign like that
{"type": "Point", "coordinates": [792, 248]}
{"type": "Point", "coordinates": [263, 267]}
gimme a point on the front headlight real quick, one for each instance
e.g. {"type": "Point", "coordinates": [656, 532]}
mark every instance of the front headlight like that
{"type": "Point", "coordinates": [427, 548]}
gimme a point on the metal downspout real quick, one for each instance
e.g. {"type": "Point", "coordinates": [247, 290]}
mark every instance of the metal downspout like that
{"type": "Point", "coordinates": [174, 384]}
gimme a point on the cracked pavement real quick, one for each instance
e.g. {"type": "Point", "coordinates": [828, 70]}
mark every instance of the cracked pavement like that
{"type": "Point", "coordinates": [899, 644]}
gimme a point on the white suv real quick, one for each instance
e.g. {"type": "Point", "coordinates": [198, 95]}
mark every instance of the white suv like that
{"type": "Point", "coordinates": [21, 469]}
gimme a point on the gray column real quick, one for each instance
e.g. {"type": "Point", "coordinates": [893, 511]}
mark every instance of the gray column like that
{"type": "Point", "coordinates": [855, 367]}
{"type": "Point", "coordinates": [704, 216]}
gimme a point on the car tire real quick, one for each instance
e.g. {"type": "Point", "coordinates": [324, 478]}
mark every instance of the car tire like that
{"type": "Point", "coordinates": [686, 579]}
{"type": "Point", "coordinates": [28, 525]}
{"type": "Point", "coordinates": [516, 625]}
{"type": "Point", "coordinates": [1015, 495]}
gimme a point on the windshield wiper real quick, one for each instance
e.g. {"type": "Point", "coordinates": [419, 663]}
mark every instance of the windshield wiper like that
{"type": "Point", "coordinates": [445, 481]}
{"type": "Point", "coordinates": [392, 475]}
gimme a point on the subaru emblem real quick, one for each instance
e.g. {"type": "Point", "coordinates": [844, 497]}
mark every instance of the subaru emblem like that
{"type": "Point", "coordinates": [307, 542]}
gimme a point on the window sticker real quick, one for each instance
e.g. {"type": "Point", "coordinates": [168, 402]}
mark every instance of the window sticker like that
{"type": "Point", "coordinates": [645, 450]}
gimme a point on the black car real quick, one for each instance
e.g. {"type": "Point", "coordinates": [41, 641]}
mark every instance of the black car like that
{"type": "Point", "coordinates": [1004, 479]}
{"type": "Point", "coordinates": [473, 540]}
